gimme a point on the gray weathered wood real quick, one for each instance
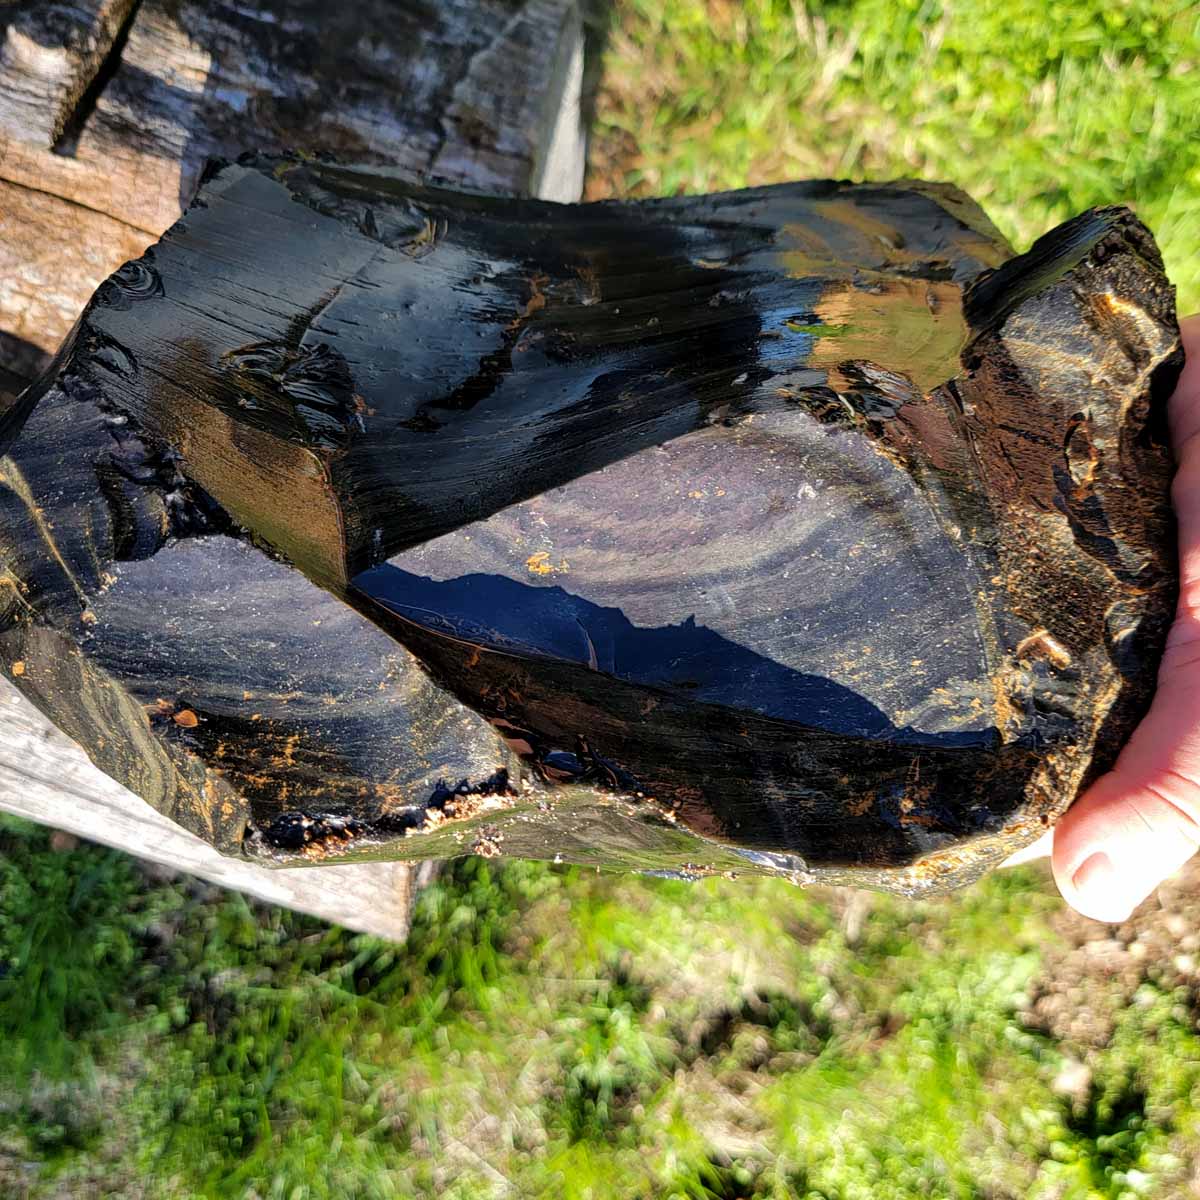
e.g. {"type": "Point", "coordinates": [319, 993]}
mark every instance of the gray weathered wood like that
{"type": "Point", "coordinates": [478, 92]}
{"type": "Point", "coordinates": [468, 91]}
{"type": "Point", "coordinates": [561, 160]}
{"type": "Point", "coordinates": [45, 777]}
{"type": "Point", "coordinates": [49, 54]}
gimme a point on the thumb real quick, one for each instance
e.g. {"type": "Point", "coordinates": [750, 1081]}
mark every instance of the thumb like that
{"type": "Point", "coordinates": [1122, 839]}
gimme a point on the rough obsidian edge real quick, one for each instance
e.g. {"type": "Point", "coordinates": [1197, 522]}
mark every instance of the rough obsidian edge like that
{"type": "Point", "coordinates": [1106, 261]}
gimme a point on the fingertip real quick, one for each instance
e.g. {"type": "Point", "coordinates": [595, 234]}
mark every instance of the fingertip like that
{"type": "Point", "coordinates": [1182, 406]}
{"type": "Point", "coordinates": [1098, 890]}
{"type": "Point", "coordinates": [1115, 846]}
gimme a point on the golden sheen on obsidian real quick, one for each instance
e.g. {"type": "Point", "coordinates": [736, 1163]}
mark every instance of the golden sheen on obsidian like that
{"type": "Point", "coordinates": [802, 529]}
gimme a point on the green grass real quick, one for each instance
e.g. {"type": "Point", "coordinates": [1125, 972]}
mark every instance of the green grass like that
{"type": "Point", "coordinates": [1038, 109]}
{"type": "Point", "coordinates": [552, 1032]}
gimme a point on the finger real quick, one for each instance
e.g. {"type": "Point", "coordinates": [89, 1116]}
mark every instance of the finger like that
{"type": "Point", "coordinates": [1183, 409]}
{"type": "Point", "coordinates": [1039, 849]}
{"type": "Point", "coordinates": [1119, 842]}
{"type": "Point", "coordinates": [1140, 823]}
{"type": "Point", "coordinates": [1184, 413]}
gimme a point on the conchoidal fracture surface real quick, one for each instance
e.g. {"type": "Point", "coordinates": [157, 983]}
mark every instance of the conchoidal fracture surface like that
{"type": "Point", "coordinates": [800, 529]}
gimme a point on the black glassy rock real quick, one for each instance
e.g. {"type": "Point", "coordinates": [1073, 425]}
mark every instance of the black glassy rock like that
{"type": "Point", "coordinates": [799, 529]}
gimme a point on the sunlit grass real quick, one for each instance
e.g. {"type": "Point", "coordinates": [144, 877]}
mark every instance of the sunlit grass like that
{"type": "Point", "coordinates": [554, 1032]}
{"type": "Point", "coordinates": [1038, 110]}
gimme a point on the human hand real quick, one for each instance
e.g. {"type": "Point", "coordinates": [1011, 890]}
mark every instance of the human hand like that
{"type": "Point", "coordinates": [1137, 825]}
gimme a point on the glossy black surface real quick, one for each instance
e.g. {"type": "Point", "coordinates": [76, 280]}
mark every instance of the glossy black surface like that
{"type": "Point", "coordinates": [700, 531]}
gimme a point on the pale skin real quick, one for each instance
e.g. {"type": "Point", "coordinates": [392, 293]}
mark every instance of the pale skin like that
{"type": "Point", "coordinates": [1137, 825]}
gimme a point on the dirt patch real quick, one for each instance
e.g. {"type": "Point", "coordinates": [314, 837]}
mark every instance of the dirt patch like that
{"type": "Point", "coordinates": [1097, 969]}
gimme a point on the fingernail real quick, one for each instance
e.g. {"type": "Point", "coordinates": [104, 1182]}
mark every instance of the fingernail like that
{"type": "Point", "coordinates": [1105, 893]}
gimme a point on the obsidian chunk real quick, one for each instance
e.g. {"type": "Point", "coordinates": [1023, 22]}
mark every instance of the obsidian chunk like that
{"type": "Point", "coordinates": [799, 529]}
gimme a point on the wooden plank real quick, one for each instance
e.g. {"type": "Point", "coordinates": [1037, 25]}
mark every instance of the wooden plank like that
{"type": "Point", "coordinates": [50, 248]}
{"type": "Point", "coordinates": [44, 777]}
{"type": "Point", "coordinates": [50, 54]}
{"type": "Point", "coordinates": [469, 92]}
{"type": "Point", "coordinates": [480, 92]}
{"type": "Point", "coordinates": [562, 159]}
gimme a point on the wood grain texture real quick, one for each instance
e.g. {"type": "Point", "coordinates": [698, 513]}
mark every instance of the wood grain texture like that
{"type": "Point", "coordinates": [469, 91]}
{"type": "Point", "coordinates": [50, 248]}
{"type": "Point", "coordinates": [50, 53]}
{"type": "Point", "coordinates": [485, 94]}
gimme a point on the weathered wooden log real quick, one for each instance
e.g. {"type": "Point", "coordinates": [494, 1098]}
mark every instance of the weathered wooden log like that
{"type": "Point", "coordinates": [108, 112]}
{"type": "Point", "coordinates": [110, 108]}
{"type": "Point", "coordinates": [799, 529]}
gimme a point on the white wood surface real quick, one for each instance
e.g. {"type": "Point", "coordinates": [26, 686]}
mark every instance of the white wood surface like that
{"type": "Point", "coordinates": [45, 777]}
